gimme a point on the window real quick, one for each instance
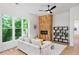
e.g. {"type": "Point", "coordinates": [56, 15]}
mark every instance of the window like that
{"type": "Point", "coordinates": [25, 26]}
{"type": "Point", "coordinates": [6, 28]}
{"type": "Point", "coordinates": [18, 28]}
{"type": "Point", "coordinates": [10, 32]}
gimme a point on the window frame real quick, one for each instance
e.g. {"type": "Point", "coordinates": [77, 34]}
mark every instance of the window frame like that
{"type": "Point", "coordinates": [13, 27]}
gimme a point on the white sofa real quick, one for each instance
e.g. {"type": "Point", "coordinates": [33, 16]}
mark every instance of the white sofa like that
{"type": "Point", "coordinates": [28, 48]}
{"type": "Point", "coordinates": [34, 48]}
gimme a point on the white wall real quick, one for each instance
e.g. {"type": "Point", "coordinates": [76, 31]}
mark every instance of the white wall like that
{"type": "Point", "coordinates": [61, 19]}
{"type": "Point", "coordinates": [76, 25]}
{"type": "Point", "coordinates": [33, 20]}
{"type": "Point", "coordinates": [74, 15]}
{"type": "Point", "coordinates": [0, 30]}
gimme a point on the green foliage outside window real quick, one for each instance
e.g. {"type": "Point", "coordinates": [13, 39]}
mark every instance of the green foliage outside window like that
{"type": "Point", "coordinates": [6, 22]}
{"type": "Point", "coordinates": [25, 25]}
{"type": "Point", "coordinates": [17, 27]}
{"type": "Point", "coordinates": [17, 33]}
{"type": "Point", "coordinates": [6, 35]}
{"type": "Point", "coordinates": [6, 28]}
{"type": "Point", "coordinates": [18, 23]}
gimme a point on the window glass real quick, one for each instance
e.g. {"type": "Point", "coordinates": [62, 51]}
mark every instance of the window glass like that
{"type": "Point", "coordinates": [17, 27]}
{"type": "Point", "coordinates": [6, 28]}
{"type": "Point", "coordinates": [25, 25]}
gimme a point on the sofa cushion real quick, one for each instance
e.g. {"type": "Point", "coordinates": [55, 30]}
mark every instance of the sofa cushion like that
{"type": "Point", "coordinates": [36, 42]}
{"type": "Point", "coordinates": [25, 38]}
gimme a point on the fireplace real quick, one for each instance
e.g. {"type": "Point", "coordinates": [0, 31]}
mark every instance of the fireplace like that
{"type": "Point", "coordinates": [44, 32]}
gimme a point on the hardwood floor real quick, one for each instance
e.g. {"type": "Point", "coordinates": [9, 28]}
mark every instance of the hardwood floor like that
{"type": "Point", "coordinates": [68, 51]}
{"type": "Point", "coordinates": [72, 50]}
{"type": "Point", "coordinates": [12, 51]}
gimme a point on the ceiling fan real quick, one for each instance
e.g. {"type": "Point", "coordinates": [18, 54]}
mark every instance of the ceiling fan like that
{"type": "Point", "coordinates": [49, 10]}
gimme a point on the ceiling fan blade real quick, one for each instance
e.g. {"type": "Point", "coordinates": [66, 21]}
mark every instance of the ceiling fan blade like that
{"type": "Point", "coordinates": [43, 10]}
{"type": "Point", "coordinates": [50, 12]}
{"type": "Point", "coordinates": [47, 10]}
{"type": "Point", "coordinates": [53, 7]}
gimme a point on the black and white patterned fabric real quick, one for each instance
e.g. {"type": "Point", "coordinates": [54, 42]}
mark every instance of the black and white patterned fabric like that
{"type": "Point", "coordinates": [61, 34]}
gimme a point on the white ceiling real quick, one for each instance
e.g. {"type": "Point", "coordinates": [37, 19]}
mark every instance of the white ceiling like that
{"type": "Point", "coordinates": [34, 8]}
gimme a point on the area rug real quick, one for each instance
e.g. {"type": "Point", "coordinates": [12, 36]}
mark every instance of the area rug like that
{"type": "Point", "coordinates": [58, 48]}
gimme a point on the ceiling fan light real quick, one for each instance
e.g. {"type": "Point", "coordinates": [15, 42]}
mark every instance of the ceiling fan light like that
{"type": "Point", "coordinates": [48, 12]}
